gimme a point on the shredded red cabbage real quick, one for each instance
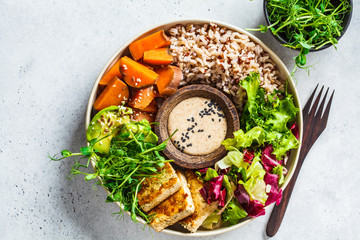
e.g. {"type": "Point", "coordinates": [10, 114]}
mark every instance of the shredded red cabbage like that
{"type": "Point", "coordinates": [241, 195]}
{"type": "Point", "coordinates": [295, 130]}
{"type": "Point", "coordinates": [268, 159]}
{"type": "Point", "coordinates": [275, 193]}
{"type": "Point", "coordinates": [271, 179]}
{"type": "Point", "coordinates": [202, 171]}
{"type": "Point", "coordinates": [212, 190]}
{"type": "Point", "coordinates": [222, 197]}
{"type": "Point", "coordinates": [248, 156]}
{"type": "Point", "coordinates": [254, 209]}
{"type": "Point", "coordinates": [204, 194]}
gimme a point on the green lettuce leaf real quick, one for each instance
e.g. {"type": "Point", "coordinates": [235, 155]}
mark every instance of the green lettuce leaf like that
{"type": "Point", "coordinates": [255, 166]}
{"type": "Point", "coordinates": [278, 112]}
{"type": "Point", "coordinates": [243, 140]}
{"type": "Point", "coordinates": [213, 221]}
{"type": "Point", "coordinates": [284, 143]}
{"type": "Point", "coordinates": [265, 119]}
{"type": "Point", "coordinates": [234, 157]}
{"type": "Point", "coordinates": [233, 212]}
{"type": "Point", "coordinates": [255, 185]}
{"type": "Point", "coordinates": [279, 171]}
{"type": "Point", "coordinates": [230, 188]}
{"type": "Point", "coordinates": [210, 174]}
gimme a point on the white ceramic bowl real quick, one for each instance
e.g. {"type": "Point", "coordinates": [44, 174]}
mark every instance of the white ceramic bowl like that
{"type": "Point", "coordinates": [284, 73]}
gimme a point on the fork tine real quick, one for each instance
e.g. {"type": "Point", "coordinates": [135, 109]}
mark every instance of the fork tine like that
{"type": "Point", "coordinates": [327, 110]}
{"type": "Point", "coordinates": [316, 103]}
{"type": "Point", "coordinates": [320, 110]}
{"type": "Point", "coordinates": [308, 103]}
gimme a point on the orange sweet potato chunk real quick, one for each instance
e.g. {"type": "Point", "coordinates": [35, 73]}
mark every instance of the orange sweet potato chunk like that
{"type": "Point", "coordinates": [160, 56]}
{"type": "Point", "coordinates": [114, 71]}
{"type": "Point", "coordinates": [141, 98]}
{"type": "Point", "coordinates": [169, 80]}
{"type": "Point", "coordinates": [153, 41]}
{"type": "Point", "coordinates": [151, 108]}
{"type": "Point", "coordinates": [115, 93]}
{"type": "Point", "coordinates": [135, 74]}
{"type": "Point", "coordinates": [140, 115]}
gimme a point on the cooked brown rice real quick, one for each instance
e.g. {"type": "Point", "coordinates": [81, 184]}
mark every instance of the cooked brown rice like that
{"type": "Point", "coordinates": [220, 57]}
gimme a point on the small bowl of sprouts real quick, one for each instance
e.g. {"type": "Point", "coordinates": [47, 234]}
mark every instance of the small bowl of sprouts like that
{"type": "Point", "coordinates": [307, 26]}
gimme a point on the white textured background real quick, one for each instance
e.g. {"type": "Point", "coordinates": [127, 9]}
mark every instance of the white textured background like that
{"type": "Point", "coordinates": [51, 53]}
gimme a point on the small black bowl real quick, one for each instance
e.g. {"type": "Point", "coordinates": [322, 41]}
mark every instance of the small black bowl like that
{"type": "Point", "coordinates": [282, 40]}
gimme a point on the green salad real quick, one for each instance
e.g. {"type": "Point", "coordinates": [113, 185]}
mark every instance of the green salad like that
{"type": "Point", "coordinates": [250, 176]}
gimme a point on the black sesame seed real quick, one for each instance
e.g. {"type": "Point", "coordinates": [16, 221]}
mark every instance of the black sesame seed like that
{"type": "Point", "coordinates": [188, 119]}
{"type": "Point", "coordinates": [212, 119]}
{"type": "Point", "coordinates": [192, 131]}
{"type": "Point", "coordinates": [196, 124]}
{"type": "Point", "coordinates": [189, 145]}
{"type": "Point", "coordinates": [209, 136]}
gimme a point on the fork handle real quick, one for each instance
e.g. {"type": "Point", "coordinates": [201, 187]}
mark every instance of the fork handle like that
{"type": "Point", "coordinates": [279, 210]}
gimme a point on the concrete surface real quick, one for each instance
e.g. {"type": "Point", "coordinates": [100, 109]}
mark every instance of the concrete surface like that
{"type": "Point", "coordinates": [51, 53]}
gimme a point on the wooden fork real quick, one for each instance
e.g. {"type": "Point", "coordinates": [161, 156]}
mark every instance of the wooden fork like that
{"type": "Point", "coordinates": [314, 124]}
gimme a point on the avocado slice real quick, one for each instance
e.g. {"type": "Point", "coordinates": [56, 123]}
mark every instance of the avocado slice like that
{"type": "Point", "coordinates": [144, 127]}
{"type": "Point", "coordinates": [107, 123]}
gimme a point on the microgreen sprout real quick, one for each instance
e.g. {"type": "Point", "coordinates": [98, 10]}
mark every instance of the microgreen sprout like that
{"type": "Point", "coordinates": [130, 161]}
{"type": "Point", "coordinates": [306, 24]}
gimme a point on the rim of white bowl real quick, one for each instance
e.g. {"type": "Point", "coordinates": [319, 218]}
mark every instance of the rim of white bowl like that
{"type": "Point", "coordinates": [284, 75]}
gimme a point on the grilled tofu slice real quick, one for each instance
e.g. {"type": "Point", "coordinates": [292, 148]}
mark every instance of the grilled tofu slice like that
{"type": "Point", "coordinates": [158, 188]}
{"type": "Point", "coordinates": [178, 206]}
{"type": "Point", "coordinates": [202, 208]}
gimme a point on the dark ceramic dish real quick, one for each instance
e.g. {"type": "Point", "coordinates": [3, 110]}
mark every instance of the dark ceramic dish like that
{"type": "Point", "coordinates": [282, 40]}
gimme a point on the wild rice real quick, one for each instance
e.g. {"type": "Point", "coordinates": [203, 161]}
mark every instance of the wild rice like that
{"type": "Point", "coordinates": [208, 54]}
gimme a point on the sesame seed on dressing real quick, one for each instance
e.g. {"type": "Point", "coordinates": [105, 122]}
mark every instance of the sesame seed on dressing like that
{"type": "Point", "coordinates": [201, 125]}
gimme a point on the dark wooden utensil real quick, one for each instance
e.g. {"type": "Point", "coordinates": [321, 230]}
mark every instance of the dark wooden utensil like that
{"type": "Point", "coordinates": [314, 124]}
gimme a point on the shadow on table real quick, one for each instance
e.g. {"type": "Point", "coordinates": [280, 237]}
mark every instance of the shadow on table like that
{"type": "Point", "coordinates": [84, 202]}
{"type": "Point", "coordinates": [77, 197]}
